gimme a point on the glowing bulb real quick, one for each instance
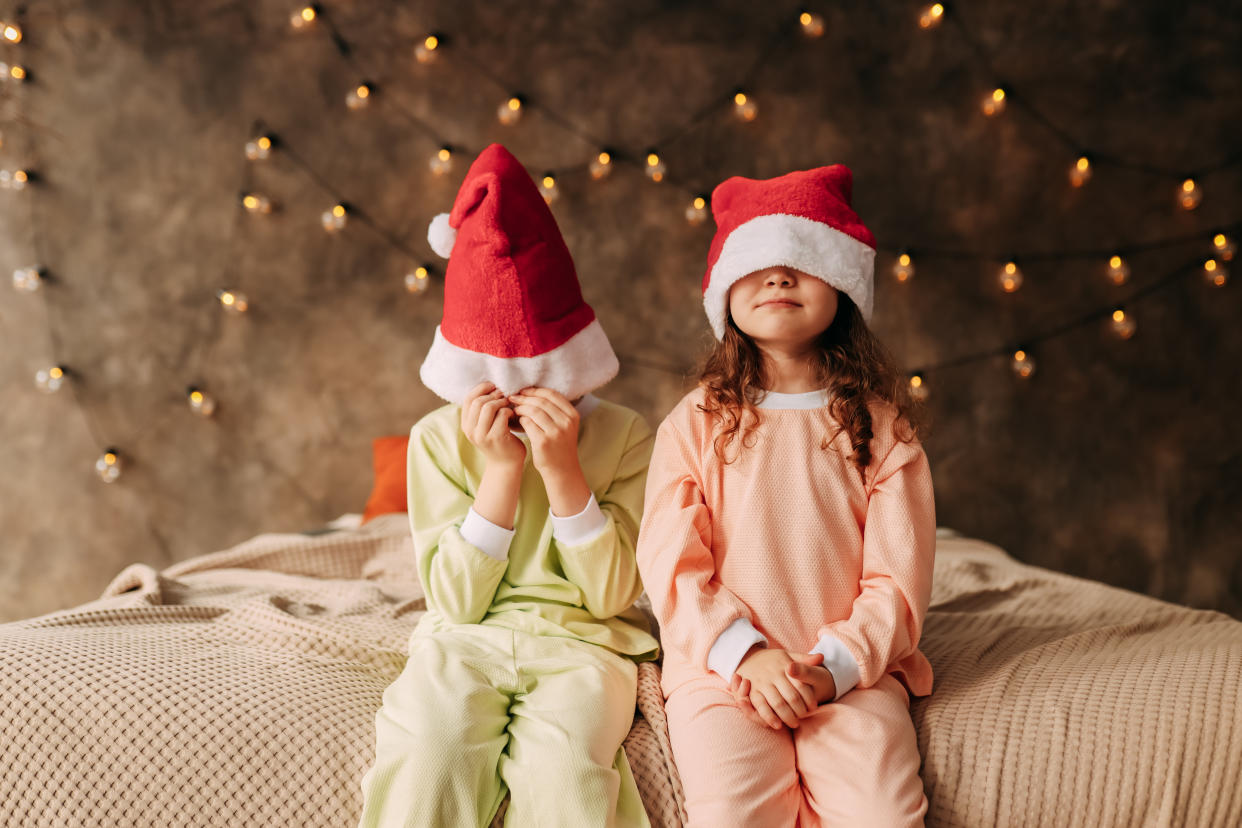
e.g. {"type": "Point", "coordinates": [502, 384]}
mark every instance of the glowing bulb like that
{"type": "Point", "coordinates": [233, 301]}
{"type": "Point", "coordinates": [601, 165]}
{"type": "Point", "coordinates": [108, 466]}
{"type": "Point", "coordinates": [655, 167]}
{"type": "Point", "coordinates": [903, 269]}
{"type": "Point", "coordinates": [812, 24]}
{"type": "Point", "coordinates": [547, 187]}
{"type": "Point", "coordinates": [13, 179]}
{"type": "Point", "coordinates": [696, 213]}
{"type": "Point", "coordinates": [1023, 364]}
{"type": "Point", "coordinates": [442, 161]}
{"type": "Point", "coordinates": [200, 403]}
{"type": "Point", "coordinates": [1215, 273]}
{"type": "Point", "coordinates": [744, 107]}
{"type": "Point", "coordinates": [1118, 270]}
{"type": "Point", "coordinates": [510, 111]}
{"type": "Point", "coordinates": [334, 220]}
{"type": "Point", "coordinates": [418, 280]}
{"type": "Point", "coordinates": [12, 33]}
{"type": "Point", "coordinates": [1189, 195]}
{"type": "Point", "coordinates": [259, 149]}
{"type": "Point", "coordinates": [257, 203]}
{"type": "Point", "coordinates": [1123, 324]}
{"type": "Point", "coordinates": [994, 103]}
{"type": "Point", "coordinates": [427, 49]}
{"type": "Point", "coordinates": [17, 73]}
{"type": "Point", "coordinates": [1080, 173]}
{"type": "Point", "coordinates": [931, 16]}
{"type": "Point", "coordinates": [49, 380]}
{"type": "Point", "coordinates": [1010, 277]}
{"type": "Point", "coordinates": [27, 279]}
{"type": "Point", "coordinates": [918, 388]}
{"type": "Point", "coordinates": [359, 96]}
{"type": "Point", "coordinates": [1225, 247]}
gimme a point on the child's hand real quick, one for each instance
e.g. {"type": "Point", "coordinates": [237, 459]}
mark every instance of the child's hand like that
{"type": "Point", "coordinates": [807, 670]}
{"type": "Point", "coordinates": [485, 417]}
{"type": "Point", "coordinates": [551, 422]}
{"type": "Point", "coordinates": [776, 698]}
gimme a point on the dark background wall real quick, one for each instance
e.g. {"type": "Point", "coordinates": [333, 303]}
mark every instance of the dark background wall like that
{"type": "Point", "coordinates": [1118, 460]}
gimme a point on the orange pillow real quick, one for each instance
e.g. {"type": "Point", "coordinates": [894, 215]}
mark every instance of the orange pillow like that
{"type": "Point", "coordinates": [388, 490]}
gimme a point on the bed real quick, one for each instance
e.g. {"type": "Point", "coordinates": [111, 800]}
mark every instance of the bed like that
{"type": "Point", "coordinates": [240, 687]}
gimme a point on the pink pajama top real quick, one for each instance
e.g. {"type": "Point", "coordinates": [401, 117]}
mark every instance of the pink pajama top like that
{"type": "Point", "coordinates": [789, 545]}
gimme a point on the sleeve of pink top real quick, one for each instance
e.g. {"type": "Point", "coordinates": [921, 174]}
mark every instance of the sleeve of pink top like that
{"type": "Point", "coordinates": [899, 550]}
{"type": "Point", "coordinates": [674, 553]}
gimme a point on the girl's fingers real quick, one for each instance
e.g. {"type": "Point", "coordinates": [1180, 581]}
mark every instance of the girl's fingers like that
{"type": "Point", "coordinates": [763, 711]}
{"type": "Point", "coordinates": [781, 707]}
{"type": "Point", "coordinates": [470, 414]}
{"type": "Point", "coordinates": [550, 410]}
{"type": "Point", "coordinates": [541, 418]}
{"type": "Point", "coordinates": [553, 398]}
{"type": "Point", "coordinates": [499, 425]}
{"type": "Point", "coordinates": [489, 411]}
{"type": "Point", "coordinates": [807, 691]}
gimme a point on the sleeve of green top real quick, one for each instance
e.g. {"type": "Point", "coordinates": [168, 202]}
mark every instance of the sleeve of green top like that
{"type": "Point", "coordinates": [459, 579]}
{"type": "Point", "coordinates": [604, 567]}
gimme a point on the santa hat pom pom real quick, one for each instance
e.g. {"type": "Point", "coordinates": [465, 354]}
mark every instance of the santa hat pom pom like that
{"type": "Point", "coordinates": [442, 235]}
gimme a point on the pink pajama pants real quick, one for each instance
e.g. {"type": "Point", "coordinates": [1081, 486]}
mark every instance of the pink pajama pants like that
{"type": "Point", "coordinates": [853, 762]}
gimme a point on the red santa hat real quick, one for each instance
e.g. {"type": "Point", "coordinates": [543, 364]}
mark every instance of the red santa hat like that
{"type": "Point", "coordinates": [513, 309]}
{"type": "Point", "coordinates": [801, 220]}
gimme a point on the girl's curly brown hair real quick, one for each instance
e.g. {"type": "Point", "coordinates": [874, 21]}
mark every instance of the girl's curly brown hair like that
{"type": "Point", "coordinates": [849, 361]}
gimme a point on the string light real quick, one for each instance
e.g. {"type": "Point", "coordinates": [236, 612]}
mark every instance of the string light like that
{"type": "Point", "coordinates": [257, 203]}
{"type": "Point", "coordinates": [359, 96]}
{"type": "Point", "coordinates": [335, 218]}
{"type": "Point", "coordinates": [931, 16]}
{"type": "Point", "coordinates": [13, 179]}
{"type": "Point", "coordinates": [27, 279]}
{"type": "Point", "coordinates": [1023, 364]}
{"type": "Point", "coordinates": [12, 33]}
{"type": "Point", "coordinates": [1123, 324]}
{"type": "Point", "coordinates": [259, 148]}
{"type": "Point", "coordinates": [812, 24]}
{"type": "Point", "coordinates": [903, 269]}
{"type": "Point", "coordinates": [442, 161]}
{"type": "Point", "coordinates": [601, 165]}
{"type": "Point", "coordinates": [1215, 273]}
{"type": "Point", "coordinates": [108, 466]}
{"type": "Point", "coordinates": [547, 187]}
{"type": "Point", "coordinates": [232, 301]}
{"type": "Point", "coordinates": [696, 213]}
{"type": "Point", "coordinates": [1189, 195]}
{"type": "Point", "coordinates": [14, 72]}
{"type": "Point", "coordinates": [510, 112]}
{"type": "Point", "coordinates": [1118, 271]}
{"type": "Point", "coordinates": [1010, 277]}
{"type": "Point", "coordinates": [994, 103]}
{"type": "Point", "coordinates": [655, 167]}
{"type": "Point", "coordinates": [303, 17]}
{"type": "Point", "coordinates": [1080, 173]}
{"type": "Point", "coordinates": [418, 280]}
{"type": "Point", "coordinates": [200, 403]}
{"type": "Point", "coordinates": [1225, 247]}
{"type": "Point", "coordinates": [744, 107]}
{"type": "Point", "coordinates": [428, 49]}
{"type": "Point", "coordinates": [918, 388]}
{"type": "Point", "coordinates": [49, 380]}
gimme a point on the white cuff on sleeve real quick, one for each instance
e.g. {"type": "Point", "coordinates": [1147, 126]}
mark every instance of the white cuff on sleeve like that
{"type": "Point", "coordinates": [839, 662]}
{"type": "Point", "coordinates": [733, 643]}
{"type": "Point", "coordinates": [493, 540]}
{"type": "Point", "coordinates": [585, 526]}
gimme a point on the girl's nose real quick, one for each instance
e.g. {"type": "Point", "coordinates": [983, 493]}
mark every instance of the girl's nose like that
{"type": "Point", "coordinates": [780, 276]}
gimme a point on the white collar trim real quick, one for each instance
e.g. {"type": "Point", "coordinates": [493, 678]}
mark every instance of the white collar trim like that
{"type": "Point", "coordinates": [807, 399]}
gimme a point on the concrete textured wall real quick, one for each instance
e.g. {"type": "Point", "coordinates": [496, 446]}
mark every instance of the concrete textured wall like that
{"type": "Point", "coordinates": [1118, 460]}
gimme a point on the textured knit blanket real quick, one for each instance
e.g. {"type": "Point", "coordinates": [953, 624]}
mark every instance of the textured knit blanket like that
{"type": "Point", "coordinates": [240, 688]}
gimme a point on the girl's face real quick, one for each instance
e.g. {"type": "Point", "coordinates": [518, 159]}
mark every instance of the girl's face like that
{"type": "Point", "coordinates": [782, 307]}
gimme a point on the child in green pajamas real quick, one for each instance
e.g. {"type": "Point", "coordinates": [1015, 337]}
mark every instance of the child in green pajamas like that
{"type": "Point", "coordinates": [525, 498]}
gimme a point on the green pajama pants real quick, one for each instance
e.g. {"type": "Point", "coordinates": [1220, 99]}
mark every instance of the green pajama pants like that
{"type": "Point", "coordinates": [480, 710]}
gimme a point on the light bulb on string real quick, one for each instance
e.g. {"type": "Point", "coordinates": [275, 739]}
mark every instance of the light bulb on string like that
{"type": "Point", "coordinates": [257, 203]}
{"type": "Point", "coordinates": [1023, 364]}
{"type": "Point", "coordinates": [1118, 270]}
{"type": "Point", "coordinates": [13, 72]}
{"type": "Point", "coordinates": [428, 49]}
{"type": "Point", "coordinates": [1189, 194]}
{"type": "Point", "coordinates": [1215, 273]}
{"type": "Point", "coordinates": [259, 148]}
{"type": "Point", "coordinates": [510, 112]}
{"type": "Point", "coordinates": [744, 107]}
{"type": "Point", "coordinates": [1080, 173]}
{"type": "Point", "coordinates": [359, 97]}
{"type": "Point", "coordinates": [50, 380]}
{"type": "Point", "coordinates": [812, 24]}
{"type": "Point", "coordinates": [601, 165]}
{"type": "Point", "coordinates": [1010, 277]}
{"type": "Point", "coordinates": [931, 16]}
{"type": "Point", "coordinates": [303, 17]}
{"type": "Point", "coordinates": [655, 167]}
{"type": "Point", "coordinates": [442, 161]}
{"type": "Point", "coordinates": [14, 179]}
{"type": "Point", "coordinates": [1123, 324]}
{"type": "Point", "coordinates": [13, 33]}
{"type": "Point", "coordinates": [27, 279]}
{"type": "Point", "coordinates": [994, 102]}
{"type": "Point", "coordinates": [903, 268]}
{"type": "Point", "coordinates": [200, 402]}
{"type": "Point", "coordinates": [696, 213]}
{"type": "Point", "coordinates": [418, 280]}
{"type": "Point", "coordinates": [108, 466]}
{"type": "Point", "coordinates": [335, 218]}
{"type": "Point", "coordinates": [1225, 248]}
{"type": "Point", "coordinates": [918, 387]}
{"type": "Point", "coordinates": [233, 301]}
{"type": "Point", "coordinates": [547, 188]}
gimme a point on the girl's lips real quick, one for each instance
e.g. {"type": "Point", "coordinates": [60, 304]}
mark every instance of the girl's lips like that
{"type": "Point", "coordinates": [784, 303]}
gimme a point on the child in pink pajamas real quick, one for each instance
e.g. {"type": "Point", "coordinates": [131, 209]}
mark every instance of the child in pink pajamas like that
{"type": "Point", "coordinates": [788, 536]}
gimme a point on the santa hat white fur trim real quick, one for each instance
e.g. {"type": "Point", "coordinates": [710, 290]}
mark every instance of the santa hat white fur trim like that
{"type": "Point", "coordinates": [582, 363]}
{"type": "Point", "coordinates": [792, 241]}
{"type": "Point", "coordinates": [441, 235]}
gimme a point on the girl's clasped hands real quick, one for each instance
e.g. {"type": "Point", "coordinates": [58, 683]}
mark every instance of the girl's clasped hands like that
{"type": "Point", "coordinates": [780, 686]}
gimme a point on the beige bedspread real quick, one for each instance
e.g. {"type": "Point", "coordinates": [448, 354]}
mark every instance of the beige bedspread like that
{"type": "Point", "coordinates": [239, 688]}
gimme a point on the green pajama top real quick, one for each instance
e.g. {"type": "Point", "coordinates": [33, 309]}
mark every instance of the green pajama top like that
{"type": "Point", "coordinates": [584, 590]}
